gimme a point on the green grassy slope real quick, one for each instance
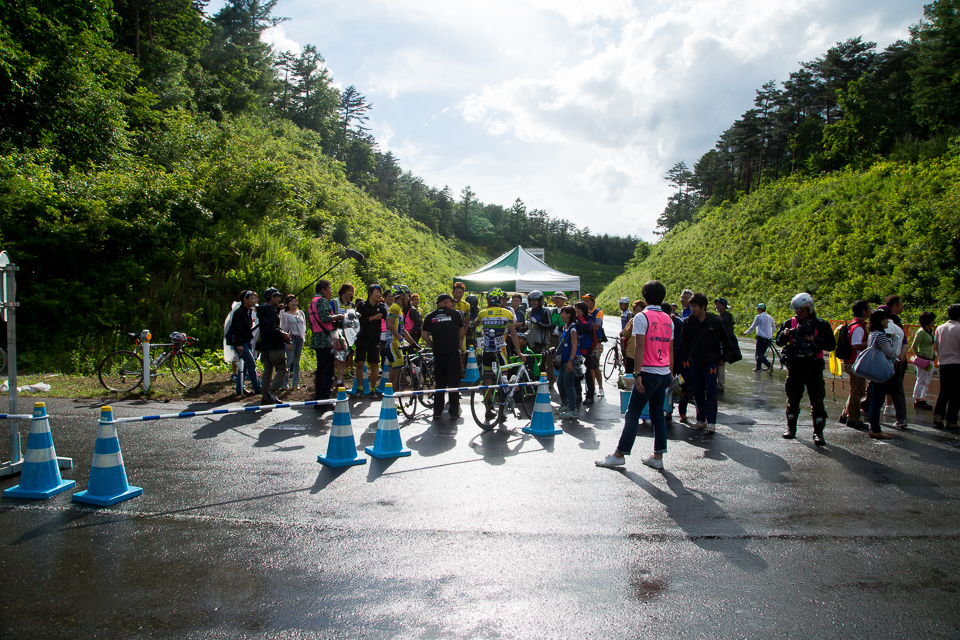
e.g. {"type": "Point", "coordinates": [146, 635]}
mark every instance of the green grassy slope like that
{"type": "Point", "coordinates": [892, 228]}
{"type": "Point", "coordinates": [594, 277]}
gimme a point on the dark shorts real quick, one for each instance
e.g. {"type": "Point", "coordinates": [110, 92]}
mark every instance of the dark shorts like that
{"type": "Point", "coordinates": [369, 353]}
{"type": "Point", "coordinates": [591, 361]}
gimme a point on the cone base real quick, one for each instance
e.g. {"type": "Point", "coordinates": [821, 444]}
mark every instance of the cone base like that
{"type": "Point", "coordinates": [17, 492]}
{"type": "Point", "coordinates": [106, 501]}
{"type": "Point", "coordinates": [542, 432]}
{"type": "Point", "coordinates": [336, 463]}
{"type": "Point", "coordinates": [381, 455]}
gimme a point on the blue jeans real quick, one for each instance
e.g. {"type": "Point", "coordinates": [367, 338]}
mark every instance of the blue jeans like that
{"type": "Point", "coordinates": [249, 369]}
{"type": "Point", "coordinates": [878, 395]}
{"type": "Point", "coordinates": [654, 392]}
{"type": "Point", "coordinates": [293, 361]}
{"type": "Point", "coordinates": [762, 345]}
{"type": "Point", "coordinates": [703, 378]}
{"type": "Point", "coordinates": [567, 388]}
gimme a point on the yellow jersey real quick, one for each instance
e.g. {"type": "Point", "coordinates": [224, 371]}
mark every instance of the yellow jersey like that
{"type": "Point", "coordinates": [492, 325]}
{"type": "Point", "coordinates": [396, 313]}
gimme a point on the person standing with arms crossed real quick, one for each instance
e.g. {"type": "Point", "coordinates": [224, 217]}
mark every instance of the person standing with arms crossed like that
{"type": "Point", "coordinates": [443, 331]}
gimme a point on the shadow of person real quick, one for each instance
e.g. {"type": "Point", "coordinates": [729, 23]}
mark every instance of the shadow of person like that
{"type": "Point", "coordinates": [928, 453]}
{"type": "Point", "coordinates": [769, 466]}
{"type": "Point", "coordinates": [216, 425]}
{"type": "Point", "coordinates": [585, 434]}
{"type": "Point", "coordinates": [703, 521]}
{"type": "Point", "coordinates": [296, 426]}
{"type": "Point", "coordinates": [495, 445]}
{"type": "Point", "coordinates": [879, 473]}
{"type": "Point", "coordinates": [439, 437]}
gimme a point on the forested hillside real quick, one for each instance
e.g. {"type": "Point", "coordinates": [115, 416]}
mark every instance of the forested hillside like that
{"type": "Point", "coordinates": [841, 181]}
{"type": "Point", "coordinates": [155, 160]}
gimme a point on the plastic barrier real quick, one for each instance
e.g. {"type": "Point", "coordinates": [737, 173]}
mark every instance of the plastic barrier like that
{"type": "Point", "coordinates": [473, 373]}
{"type": "Point", "coordinates": [108, 477]}
{"type": "Point", "coordinates": [342, 448]}
{"type": "Point", "coordinates": [542, 423]}
{"type": "Point", "coordinates": [216, 412]}
{"type": "Point", "coordinates": [387, 443]}
{"type": "Point", "coordinates": [40, 477]}
{"type": "Point", "coordinates": [361, 373]}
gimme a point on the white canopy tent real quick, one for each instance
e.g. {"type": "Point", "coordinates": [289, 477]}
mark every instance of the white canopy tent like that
{"type": "Point", "coordinates": [518, 270]}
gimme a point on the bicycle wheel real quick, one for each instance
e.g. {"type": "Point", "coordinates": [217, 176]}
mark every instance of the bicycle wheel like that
{"type": "Point", "coordinates": [121, 371]}
{"type": "Point", "coordinates": [186, 371]}
{"type": "Point", "coordinates": [612, 364]}
{"type": "Point", "coordinates": [486, 405]}
{"type": "Point", "coordinates": [526, 396]}
{"type": "Point", "coordinates": [427, 381]}
{"type": "Point", "coordinates": [407, 404]}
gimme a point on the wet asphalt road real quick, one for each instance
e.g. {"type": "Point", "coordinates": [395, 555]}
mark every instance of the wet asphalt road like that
{"type": "Point", "coordinates": [241, 533]}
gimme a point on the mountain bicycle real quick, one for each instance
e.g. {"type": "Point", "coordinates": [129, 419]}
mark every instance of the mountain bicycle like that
{"type": "Point", "coordinates": [492, 405]}
{"type": "Point", "coordinates": [613, 363]}
{"type": "Point", "coordinates": [172, 369]}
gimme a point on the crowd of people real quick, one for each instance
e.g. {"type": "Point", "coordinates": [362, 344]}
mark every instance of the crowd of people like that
{"type": "Point", "coordinates": [667, 355]}
{"type": "Point", "coordinates": [667, 349]}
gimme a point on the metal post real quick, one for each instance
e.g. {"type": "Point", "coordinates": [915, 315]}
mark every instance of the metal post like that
{"type": "Point", "coordinates": [145, 342]}
{"type": "Point", "coordinates": [10, 311]}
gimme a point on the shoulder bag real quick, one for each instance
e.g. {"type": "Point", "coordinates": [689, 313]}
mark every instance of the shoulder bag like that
{"type": "Point", "coordinates": [873, 364]}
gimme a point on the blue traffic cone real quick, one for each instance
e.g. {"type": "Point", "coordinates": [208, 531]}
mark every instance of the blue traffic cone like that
{"type": "Point", "coordinates": [473, 373]}
{"type": "Point", "coordinates": [40, 477]}
{"type": "Point", "coordinates": [387, 443]}
{"type": "Point", "coordinates": [361, 373]}
{"type": "Point", "coordinates": [384, 376]}
{"type": "Point", "coordinates": [342, 448]}
{"type": "Point", "coordinates": [108, 478]}
{"type": "Point", "coordinates": [542, 423]}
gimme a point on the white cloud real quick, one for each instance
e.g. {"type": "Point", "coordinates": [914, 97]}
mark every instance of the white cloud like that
{"type": "Point", "coordinates": [277, 38]}
{"type": "Point", "coordinates": [577, 108]}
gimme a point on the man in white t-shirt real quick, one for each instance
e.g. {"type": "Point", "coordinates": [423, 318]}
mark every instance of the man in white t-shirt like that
{"type": "Point", "coordinates": [947, 341]}
{"type": "Point", "coordinates": [765, 327]}
{"type": "Point", "coordinates": [858, 386]}
{"type": "Point", "coordinates": [653, 374]}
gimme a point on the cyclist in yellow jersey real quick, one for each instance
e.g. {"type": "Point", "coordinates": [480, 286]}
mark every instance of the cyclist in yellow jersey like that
{"type": "Point", "coordinates": [493, 325]}
{"type": "Point", "coordinates": [398, 331]}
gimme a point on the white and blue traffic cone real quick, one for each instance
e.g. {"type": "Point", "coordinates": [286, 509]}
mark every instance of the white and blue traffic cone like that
{"type": "Point", "coordinates": [108, 478]}
{"type": "Point", "coordinates": [473, 373]}
{"type": "Point", "coordinates": [342, 448]}
{"type": "Point", "coordinates": [361, 374]}
{"type": "Point", "coordinates": [40, 477]}
{"type": "Point", "coordinates": [542, 423]}
{"type": "Point", "coordinates": [387, 443]}
{"type": "Point", "coordinates": [384, 376]}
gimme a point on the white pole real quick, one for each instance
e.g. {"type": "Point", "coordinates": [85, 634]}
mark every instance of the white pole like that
{"type": "Point", "coordinates": [11, 309]}
{"type": "Point", "coordinates": [145, 343]}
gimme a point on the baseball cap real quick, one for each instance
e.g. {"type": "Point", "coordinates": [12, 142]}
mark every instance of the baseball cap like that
{"type": "Point", "coordinates": [723, 301]}
{"type": "Point", "coordinates": [761, 306]}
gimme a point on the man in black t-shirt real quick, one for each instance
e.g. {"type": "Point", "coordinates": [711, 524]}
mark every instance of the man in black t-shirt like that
{"type": "Point", "coordinates": [443, 330]}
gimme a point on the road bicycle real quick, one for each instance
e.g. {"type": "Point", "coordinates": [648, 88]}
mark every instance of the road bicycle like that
{"type": "Point", "coordinates": [773, 354]}
{"type": "Point", "coordinates": [493, 405]}
{"type": "Point", "coordinates": [172, 369]}
{"type": "Point", "coordinates": [613, 362]}
{"type": "Point", "coordinates": [415, 375]}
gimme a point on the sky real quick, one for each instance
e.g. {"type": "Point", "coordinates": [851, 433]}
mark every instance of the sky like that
{"type": "Point", "coordinates": [577, 108]}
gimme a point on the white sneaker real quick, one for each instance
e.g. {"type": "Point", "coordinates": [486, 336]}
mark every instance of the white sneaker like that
{"type": "Point", "coordinates": [653, 462]}
{"type": "Point", "coordinates": [610, 462]}
{"type": "Point", "coordinates": [600, 392]}
{"type": "Point", "coordinates": [889, 410]}
{"type": "Point", "coordinates": [700, 425]}
{"type": "Point", "coordinates": [710, 428]}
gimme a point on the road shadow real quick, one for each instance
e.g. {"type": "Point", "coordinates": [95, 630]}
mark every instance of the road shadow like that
{"type": "Point", "coordinates": [326, 477]}
{"type": "Point", "coordinates": [216, 425]}
{"type": "Point", "coordinates": [377, 467]}
{"type": "Point", "coordinates": [881, 474]}
{"type": "Point", "coordinates": [308, 422]}
{"type": "Point", "coordinates": [440, 436]}
{"type": "Point", "coordinates": [587, 435]}
{"type": "Point", "coordinates": [769, 466]}
{"type": "Point", "coordinates": [703, 520]}
{"type": "Point", "coordinates": [928, 453]}
{"type": "Point", "coordinates": [497, 445]}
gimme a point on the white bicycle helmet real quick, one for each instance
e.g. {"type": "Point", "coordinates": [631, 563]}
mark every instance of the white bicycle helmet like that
{"type": "Point", "coordinates": [802, 300]}
{"type": "Point", "coordinates": [623, 300]}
